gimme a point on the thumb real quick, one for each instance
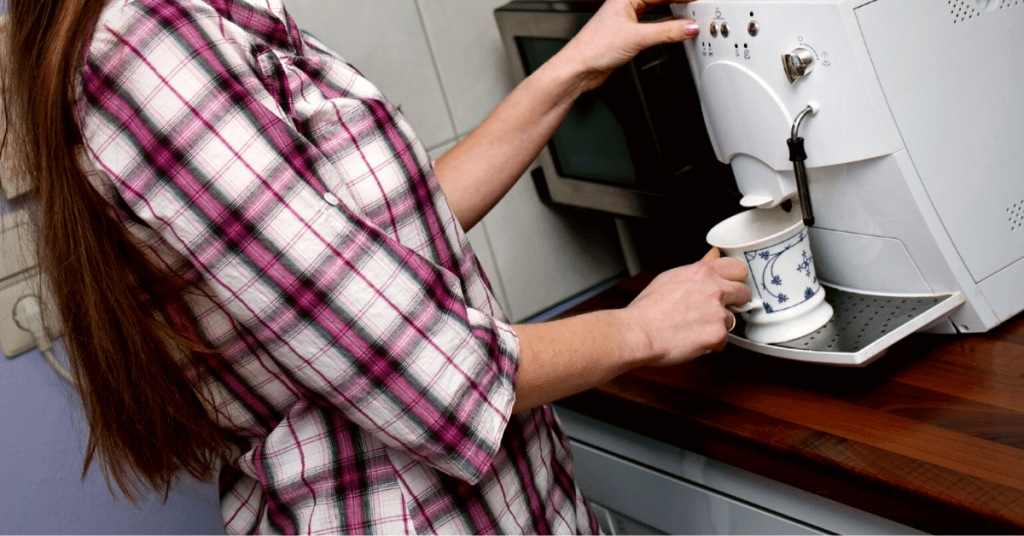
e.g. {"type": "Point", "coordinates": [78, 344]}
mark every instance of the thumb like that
{"type": "Point", "coordinates": [666, 31]}
{"type": "Point", "coordinates": [712, 255]}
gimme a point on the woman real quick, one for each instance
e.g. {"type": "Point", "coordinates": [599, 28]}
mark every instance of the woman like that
{"type": "Point", "coordinates": [259, 269]}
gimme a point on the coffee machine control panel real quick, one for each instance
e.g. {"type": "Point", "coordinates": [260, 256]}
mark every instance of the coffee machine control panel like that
{"type": "Point", "coordinates": [758, 64]}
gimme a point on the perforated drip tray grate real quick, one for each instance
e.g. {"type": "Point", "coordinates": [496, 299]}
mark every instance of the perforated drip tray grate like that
{"type": "Point", "coordinates": [862, 327]}
{"type": "Point", "coordinates": [859, 319]}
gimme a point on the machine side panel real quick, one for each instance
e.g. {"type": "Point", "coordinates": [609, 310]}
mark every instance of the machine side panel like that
{"type": "Point", "coordinates": [954, 83]}
{"type": "Point", "coordinates": [865, 262]}
{"type": "Point", "coordinates": [1004, 290]}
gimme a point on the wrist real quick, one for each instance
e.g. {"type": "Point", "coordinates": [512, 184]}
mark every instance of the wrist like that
{"type": "Point", "coordinates": [568, 69]}
{"type": "Point", "coordinates": [637, 346]}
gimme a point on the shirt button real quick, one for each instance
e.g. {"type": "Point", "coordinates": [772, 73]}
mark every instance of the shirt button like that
{"type": "Point", "coordinates": [331, 199]}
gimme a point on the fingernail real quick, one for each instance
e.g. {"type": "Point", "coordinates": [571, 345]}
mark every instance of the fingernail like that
{"type": "Point", "coordinates": [691, 30]}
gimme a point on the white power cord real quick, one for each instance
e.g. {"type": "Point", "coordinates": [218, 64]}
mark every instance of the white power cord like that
{"type": "Point", "coordinates": [28, 315]}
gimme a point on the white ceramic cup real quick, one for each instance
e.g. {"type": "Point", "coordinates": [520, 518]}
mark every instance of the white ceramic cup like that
{"type": "Point", "coordinates": [787, 301]}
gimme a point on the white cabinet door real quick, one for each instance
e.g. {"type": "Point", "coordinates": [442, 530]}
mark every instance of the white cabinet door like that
{"type": "Point", "coordinates": [671, 504]}
{"type": "Point", "coordinates": [612, 522]}
{"type": "Point", "coordinates": [676, 491]}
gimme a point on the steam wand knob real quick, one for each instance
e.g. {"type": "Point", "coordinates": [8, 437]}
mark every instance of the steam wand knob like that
{"type": "Point", "coordinates": [797, 155]}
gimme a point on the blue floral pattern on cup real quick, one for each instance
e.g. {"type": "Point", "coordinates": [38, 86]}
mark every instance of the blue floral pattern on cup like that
{"type": "Point", "coordinates": [783, 273]}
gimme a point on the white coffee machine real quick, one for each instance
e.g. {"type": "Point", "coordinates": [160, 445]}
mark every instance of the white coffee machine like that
{"type": "Point", "coordinates": [912, 115]}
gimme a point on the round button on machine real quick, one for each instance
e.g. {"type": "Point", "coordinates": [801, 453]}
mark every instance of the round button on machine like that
{"type": "Point", "coordinates": [714, 29]}
{"type": "Point", "coordinates": [725, 29]}
{"type": "Point", "coordinates": [753, 28]}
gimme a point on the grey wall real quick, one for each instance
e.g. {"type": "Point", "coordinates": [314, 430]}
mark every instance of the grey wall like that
{"type": "Point", "coordinates": [42, 437]}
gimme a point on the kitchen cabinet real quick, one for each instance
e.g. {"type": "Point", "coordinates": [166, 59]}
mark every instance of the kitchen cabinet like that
{"type": "Point", "coordinates": [642, 486]}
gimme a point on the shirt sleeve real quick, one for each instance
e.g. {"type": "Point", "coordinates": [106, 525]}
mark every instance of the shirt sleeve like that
{"type": "Point", "coordinates": [175, 117]}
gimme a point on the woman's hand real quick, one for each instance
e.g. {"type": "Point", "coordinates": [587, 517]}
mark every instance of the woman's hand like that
{"type": "Point", "coordinates": [682, 313]}
{"type": "Point", "coordinates": [480, 169]}
{"type": "Point", "coordinates": [679, 316]}
{"type": "Point", "coordinates": [615, 35]}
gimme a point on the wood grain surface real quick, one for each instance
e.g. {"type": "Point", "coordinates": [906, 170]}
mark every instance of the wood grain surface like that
{"type": "Point", "coordinates": [930, 435]}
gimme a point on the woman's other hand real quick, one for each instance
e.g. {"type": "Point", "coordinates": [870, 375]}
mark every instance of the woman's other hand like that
{"type": "Point", "coordinates": [615, 35]}
{"type": "Point", "coordinates": [679, 316]}
{"type": "Point", "coordinates": [682, 313]}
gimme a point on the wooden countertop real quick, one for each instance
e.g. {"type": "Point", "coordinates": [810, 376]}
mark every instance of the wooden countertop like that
{"type": "Point", "coordinates": [930, 435]}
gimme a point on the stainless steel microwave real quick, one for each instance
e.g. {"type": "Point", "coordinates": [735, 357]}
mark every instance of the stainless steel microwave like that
{"type": "Point", "coordinates": [635, 147]}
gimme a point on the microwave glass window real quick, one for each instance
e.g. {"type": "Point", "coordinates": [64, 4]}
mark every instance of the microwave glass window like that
{"type": "Point", "coordinates": [591, 144]}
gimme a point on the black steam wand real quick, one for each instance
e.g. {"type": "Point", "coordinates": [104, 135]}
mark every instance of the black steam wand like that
{"type": "Point", "coordinates": [798, 155]}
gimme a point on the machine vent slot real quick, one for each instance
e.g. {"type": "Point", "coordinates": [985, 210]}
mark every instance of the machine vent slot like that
{"type": "Point", "coordinates": [963, 10]}
{"type": "Point", "coordinates": [1015, 215]}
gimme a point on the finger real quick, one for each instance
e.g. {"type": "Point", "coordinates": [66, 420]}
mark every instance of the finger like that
{"type": "Point", "coordinates": [721, 345]}
{"type": "Point", "coordinates": [734, 293]}
{"type": "Point", "coordinates": [730, 322]}
{"type": "Point", "coordinates": [721, 339]}
{"type": "Point", "coordinates": [729, 268]}
{"type": "Point", "coordinates": [667, 31]}
{"type": "Point", "coordinates": [641, 5]}
{"type": "Point", "coordinates": [660, 2]}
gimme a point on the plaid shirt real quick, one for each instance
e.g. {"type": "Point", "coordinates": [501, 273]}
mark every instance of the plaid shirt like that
{"type": "Point", "coordinates": [366, 372]}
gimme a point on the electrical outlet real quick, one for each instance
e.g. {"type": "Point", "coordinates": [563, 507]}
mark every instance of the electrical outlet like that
{"type": "Point", "coordinates": [14, 341]}
{"type": "Point", "coordinates": [17, 245]}
{"type": "Point", "coordinates": [19, 277]}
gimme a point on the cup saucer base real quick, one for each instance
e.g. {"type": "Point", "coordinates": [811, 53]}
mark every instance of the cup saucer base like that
{"type": "Point", "coordinates": [804, 324]}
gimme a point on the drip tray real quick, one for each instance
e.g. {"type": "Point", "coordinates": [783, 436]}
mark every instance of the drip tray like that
{"type": "Point", "coordinates": [862, 328]}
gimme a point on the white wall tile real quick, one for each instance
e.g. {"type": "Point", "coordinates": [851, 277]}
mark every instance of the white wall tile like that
{"type": "Point", "coordinates": [478, 238]}
{"type": "Point", "coordinates": [536, 257]}
{"type": "Point", "coordinates": [385, 40]}
{"type": "Point", "coordinates": [481, 242]}
{"type": "Point", "coordinates": [473, 65]}
{"type": "Point", "coordinates": [545, 255]}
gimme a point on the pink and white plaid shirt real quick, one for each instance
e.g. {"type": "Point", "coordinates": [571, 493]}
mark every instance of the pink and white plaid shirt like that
{"type": "Point", "coordinates": [368, 374]}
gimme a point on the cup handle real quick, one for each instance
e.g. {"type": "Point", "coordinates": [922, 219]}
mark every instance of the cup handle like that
{"type": "Point", "coordinates": [749, 306]}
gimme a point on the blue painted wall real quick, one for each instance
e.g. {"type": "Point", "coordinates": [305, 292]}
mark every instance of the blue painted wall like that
{"type": "Point", "coordinates": [42, 441]}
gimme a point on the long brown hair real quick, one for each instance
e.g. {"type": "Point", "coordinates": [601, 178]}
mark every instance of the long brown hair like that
{"type": "Point", "coordinates": [119, 310]}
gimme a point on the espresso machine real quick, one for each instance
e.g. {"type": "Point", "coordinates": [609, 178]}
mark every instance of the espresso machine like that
{"type": "Point", "coordinates": [910, 164]}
